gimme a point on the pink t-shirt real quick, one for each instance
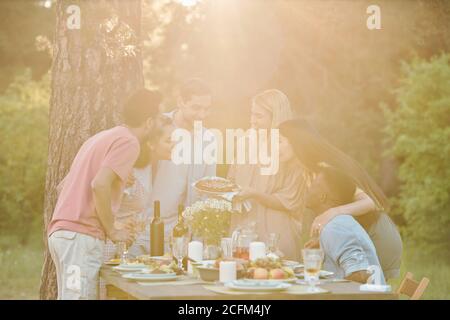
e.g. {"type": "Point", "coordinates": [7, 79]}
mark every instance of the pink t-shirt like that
{"type": "Point", "coordinates": [116, 149]}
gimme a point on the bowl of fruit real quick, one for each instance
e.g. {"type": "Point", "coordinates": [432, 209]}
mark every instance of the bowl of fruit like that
{"type": "Point", "coordinates": [269, 269]}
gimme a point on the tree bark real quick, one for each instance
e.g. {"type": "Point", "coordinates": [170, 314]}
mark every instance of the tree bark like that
{"type": "Point", "coordinates": [95, 68]}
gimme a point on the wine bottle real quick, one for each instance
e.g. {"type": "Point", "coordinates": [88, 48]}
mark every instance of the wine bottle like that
{"type": "Point", "coordinates": [157, 232]}
{"type": "Point", "coordinates": [180, 229]}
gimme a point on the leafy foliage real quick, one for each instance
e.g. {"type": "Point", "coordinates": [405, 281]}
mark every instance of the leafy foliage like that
{"type": "Point", "coordinates": [419, 127]}
{"type": "Point", "coordinates": [23, 128]}
{"type": "Point", "coordinates": [26, 27]}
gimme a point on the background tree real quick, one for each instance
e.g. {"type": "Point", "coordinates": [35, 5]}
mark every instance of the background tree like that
{"type": "Point", "coordinates": [23, 128]}
{"type": "Point", "coordinates": [23, 25]}
{"type": "Point", "coordinates": [418, 125]}
{"type": "Point", "coordinates": [94, 69]}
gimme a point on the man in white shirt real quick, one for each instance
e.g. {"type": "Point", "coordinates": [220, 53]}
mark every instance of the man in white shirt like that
{"type": "Point", "coordinates": [172, 184]}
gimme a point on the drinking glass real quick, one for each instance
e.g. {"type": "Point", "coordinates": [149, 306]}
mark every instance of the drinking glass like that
{"type": "Point", "coordinates": [243, 246]}
{"type": "Point", "coordinates": [122, 252]}
{"type": "Point", "coordinates": [272, 242]}
{"type": "Point", "coordinates": [132, 208]}
{"type": "Point", "coordinates": [234, 238]}
{"type": "Point", "coordinates": [312, 260]}
{"type": "Point", "coordinates": [130, 216]}
{"type": "Point", "coordinates": [226, 244]}
{"type": "Point", "coordinates": [180, 249]}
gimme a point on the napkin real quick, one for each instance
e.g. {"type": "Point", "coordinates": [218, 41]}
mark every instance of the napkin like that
{"type": "Point", "coordinates": [182, 281]}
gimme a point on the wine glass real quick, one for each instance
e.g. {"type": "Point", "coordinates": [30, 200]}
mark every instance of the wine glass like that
{"type": "Point", "coordinates": [312, 260]}
{"type": "Point", "coordinates": [272, 242]}
{"type": "Point", "coordinates": [122, 252]}
{"type": "Point", "coordinates": [226, 244]}
{"type": "Point", "coordinates": [180, 249]}
{"type": "Point", "coordinates": [131, 215]}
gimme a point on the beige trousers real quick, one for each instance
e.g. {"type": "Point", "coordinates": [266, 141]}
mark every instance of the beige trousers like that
{"type": "Point", "coordinates": [77, 258]}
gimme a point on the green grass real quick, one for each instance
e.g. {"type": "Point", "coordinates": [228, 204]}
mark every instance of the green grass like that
{"type": "Point", "coordinates": [421, 264]}
{"type": "Point", "coordinates": [20, 269]}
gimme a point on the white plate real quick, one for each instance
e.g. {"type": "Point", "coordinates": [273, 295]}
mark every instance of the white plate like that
{"type": "Point", "coordinates": [291, 264]}
{"type": "Point", "coordinates": [160, 258]}
{"type": "Point", "coordinates": [293, 279]}
{"type": "Point", "coordinates": [206, 263]}
{"type": "Point", "coordinates": [251, 285]}
{"type": "Point", "coordinates": [322, 281]}
{"type": "Point", "coordinates": [214, 193]}
{"type": "Point", "coordinates": [322, 274]}
{"type": "Point", "coordinates": [150, 277]}
{"type": "Point", "coordinates": [129, 267]}
{"type": "Point", "coordinates": [155, 258]}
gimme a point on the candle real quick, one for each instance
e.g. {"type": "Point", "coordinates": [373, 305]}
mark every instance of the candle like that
{"type": "Point", "coordinates": [195, 252]}
{"type": "Point", "coordinates": [257, 250]}
{"type": "Point", "coordinates": [227, 271]}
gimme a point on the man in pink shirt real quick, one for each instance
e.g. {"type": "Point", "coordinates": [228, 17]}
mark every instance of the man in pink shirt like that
{"type": "Point", "coordinates": [91, 192]}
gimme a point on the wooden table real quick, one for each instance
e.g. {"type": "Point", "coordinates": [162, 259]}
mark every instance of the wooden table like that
{"type": "Point", "coordinates": [120, 288]}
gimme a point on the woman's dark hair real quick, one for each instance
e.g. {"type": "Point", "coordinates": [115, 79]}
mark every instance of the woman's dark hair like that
{"type": "Point", "coordinates": [194, 87]}
{"type": "Point", "coordinates": [143, 104]}
{"type": "Point", "coordinates": [313, 151]}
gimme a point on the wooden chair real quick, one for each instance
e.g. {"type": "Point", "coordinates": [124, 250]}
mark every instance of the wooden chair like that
{"type": "Point", "coordinates": [411, 288]}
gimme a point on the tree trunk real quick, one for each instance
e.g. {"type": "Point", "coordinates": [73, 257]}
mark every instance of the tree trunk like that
{"type": "Point", "coordinates": [95, 68]}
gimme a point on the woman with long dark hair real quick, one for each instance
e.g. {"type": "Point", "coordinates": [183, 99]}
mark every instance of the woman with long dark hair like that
{"type": "Point", "coordinates": [370, 203]}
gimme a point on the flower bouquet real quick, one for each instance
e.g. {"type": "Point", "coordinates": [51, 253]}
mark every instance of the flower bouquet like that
{"type": "Point", "coordinates": [209, 219]}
